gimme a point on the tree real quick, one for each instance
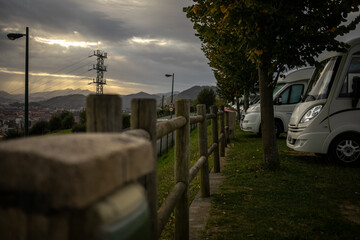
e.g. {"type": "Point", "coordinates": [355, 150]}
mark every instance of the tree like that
{"type": "Point", "coordinates": [280, 35]}
{"type": "Point", "coordinates": [40, 128]}
{"type": "Point", "coordinates": [82, 116]}
{"type": "Point", "coordinates": [67, 122]}
{"type": "Point", "coordinates": [55, 122]}
{"type": "Point", "coordinates": [63, 120]}
{"type": "Point", "coordinates": [80, 127]}
{"type": "Point", "coordinates": [206, 96]}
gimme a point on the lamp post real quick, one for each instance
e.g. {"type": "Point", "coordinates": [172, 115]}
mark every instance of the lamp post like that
{"type": "Point", "coordinates": [13, 36]}
{"type": "Point", "coordinates": [172, 102]}
{"type": "Point", "coordinates": [172, 90]}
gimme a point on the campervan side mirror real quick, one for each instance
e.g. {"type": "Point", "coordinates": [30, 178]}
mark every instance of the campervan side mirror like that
{"type": "Point", "coordinates": [356, 91]}
{"type": "Point", "coordinates": [278, 100]}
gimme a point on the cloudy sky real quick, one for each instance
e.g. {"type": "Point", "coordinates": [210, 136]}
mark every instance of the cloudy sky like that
{"type": "Point", "coordinates": [144, 40]}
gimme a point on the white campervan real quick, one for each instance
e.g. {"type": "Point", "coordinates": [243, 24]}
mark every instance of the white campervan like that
{"type": "Point", "coordinates": [328, 119]}
{"type": "Point", "coordinates": [287, 93]}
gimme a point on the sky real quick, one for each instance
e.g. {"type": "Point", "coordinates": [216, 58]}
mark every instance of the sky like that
{"type": "Point", "coordinates": [143, 39]}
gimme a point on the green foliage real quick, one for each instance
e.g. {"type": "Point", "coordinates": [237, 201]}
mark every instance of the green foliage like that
{"type": "Point", "coordinates": [68, 121]}
{"type": "Point", "coordinates": [40, 128]}
{"type": "Point", "coordinates": [55, 122]}
{"type": "Point", "coordinates": [13, 133]}
{"type": "Point", "coordinates": [82, 116]}
{"type": "Point", "coordinates": [63, 120]}
{"type": "Point", "coordinates": [206, 96]}
{"type": "Point", "coordinates": [79, 127]}
{"type": "Point", "coordinates": [226, 52]}
{"type": "Point", "coordinates": [275, 33]}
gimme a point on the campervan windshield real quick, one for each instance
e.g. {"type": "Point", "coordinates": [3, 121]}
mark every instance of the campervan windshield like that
{"type": "Point", "coordinates": [320, 83]}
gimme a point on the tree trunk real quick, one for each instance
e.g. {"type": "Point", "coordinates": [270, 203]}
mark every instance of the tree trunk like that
{"type": "Point", "coordinates": [270, 151]}
{"type": "Point", "coordinates": [238, 108]}
{"type": "Point", "coordinates": [246, 100]}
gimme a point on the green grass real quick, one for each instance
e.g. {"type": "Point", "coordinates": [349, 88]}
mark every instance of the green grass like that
{"type": "Point", "coordinates": [307, 198]}
{"type": "Point", "coordinates": [165, 177]}
{"type": "Point", "coordinates": [64, 131]}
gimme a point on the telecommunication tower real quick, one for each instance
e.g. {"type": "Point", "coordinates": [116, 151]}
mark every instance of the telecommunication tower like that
{"type": "Point", "coordinates": [100, 69]}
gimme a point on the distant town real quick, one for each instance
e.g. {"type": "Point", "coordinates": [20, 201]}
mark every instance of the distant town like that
{"type": "Point", "coordinates": [43, 105]}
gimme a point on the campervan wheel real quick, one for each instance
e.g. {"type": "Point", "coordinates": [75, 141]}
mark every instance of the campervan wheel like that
{"type": "Point", "coordinates": [346, 149]}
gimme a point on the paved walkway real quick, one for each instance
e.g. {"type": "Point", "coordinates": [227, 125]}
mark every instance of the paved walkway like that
{"type": "Point", "coordinates": [200, 207]}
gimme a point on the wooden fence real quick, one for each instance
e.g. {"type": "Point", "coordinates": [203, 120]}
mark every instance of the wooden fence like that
{"type": "Point", "coordinates": [143, 116]}
{"type": "Point", "coordinates": [104, 115]}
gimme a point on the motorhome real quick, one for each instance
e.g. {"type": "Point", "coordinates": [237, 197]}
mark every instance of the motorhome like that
{"type": "Point", "coordinates": [287, 93]}
{"type": "Point", "coordinates": [327, 121]}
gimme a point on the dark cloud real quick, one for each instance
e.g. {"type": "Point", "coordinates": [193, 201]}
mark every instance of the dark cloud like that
{"type": "Point", "coordinates": [63, 17]}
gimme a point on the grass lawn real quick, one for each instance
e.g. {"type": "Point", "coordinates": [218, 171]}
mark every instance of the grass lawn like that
{"type": "Point", "coordinates": [307, 198]}
{"type": "Point", "coordinates": [64, 131]}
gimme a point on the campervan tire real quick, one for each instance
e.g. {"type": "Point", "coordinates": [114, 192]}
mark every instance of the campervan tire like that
{"type": "Point", "coordinates": [345, 149]}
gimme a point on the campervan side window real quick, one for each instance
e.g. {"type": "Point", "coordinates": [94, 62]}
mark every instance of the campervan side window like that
{"type": "Point", "coordinates": [353, 71]}
{"type": "Point", "coordinates": [292, 94]}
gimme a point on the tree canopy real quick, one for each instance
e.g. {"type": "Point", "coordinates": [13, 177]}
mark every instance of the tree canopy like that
{"type": "Point", "coordinates": [206, 96]}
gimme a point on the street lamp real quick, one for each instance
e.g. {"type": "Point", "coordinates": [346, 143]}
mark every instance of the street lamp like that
{"type": "Point", "coordinates": [172, 89]}
{"type": "Point", "coordinates": [13, 36]}
{"type": "Point", "coordinates": [172, 102]}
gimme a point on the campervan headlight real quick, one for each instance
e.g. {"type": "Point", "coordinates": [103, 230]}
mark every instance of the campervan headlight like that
{"type": "Point", "coordinates": [312, 113]}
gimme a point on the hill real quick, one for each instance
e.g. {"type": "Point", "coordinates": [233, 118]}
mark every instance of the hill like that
{"type": "Point", "coordinates": [68, 100]}
{"type": "Point", "coordinates": [126, 99]}
{"type": "Point", "coordinates": [192, 92]}
{"type": "Point", "coordinates": [74, 101]}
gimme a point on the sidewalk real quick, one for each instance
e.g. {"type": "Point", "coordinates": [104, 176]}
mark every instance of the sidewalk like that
{"type": "Point", "coordinates": [200, 207]}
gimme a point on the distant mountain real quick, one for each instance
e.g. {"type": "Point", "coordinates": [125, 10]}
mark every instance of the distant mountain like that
{"type": "Point", "coordinates": [192, 92]}
{"type": "Point", "coordinates": [168, 94]}
{"type": "Point", "coordinates": [7, 98]}
{"type": "Point", "coordinates": [74, 101]}
{"type": "Point", "coordinates": [40, 96]}
{"type": "Point", "coordinates": [126, 99]}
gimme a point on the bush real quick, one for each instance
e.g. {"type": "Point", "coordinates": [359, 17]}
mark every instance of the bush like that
{"type": "Point", "coordinates": [55, 122]}
{"type": "Point", "coordinates": [79, 128]}
{"type": "Point", "coordinates": [13, 133]}
{"type": "Point", "coordinates": [67, 122]}
{"type": "Point", "coordinates": [63, 120]}
{"type": "Point", "coordinates": [40, 128]}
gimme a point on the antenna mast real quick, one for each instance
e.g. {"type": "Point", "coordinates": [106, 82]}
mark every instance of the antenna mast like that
{"type": "Point", "coordinates": [100, 69]}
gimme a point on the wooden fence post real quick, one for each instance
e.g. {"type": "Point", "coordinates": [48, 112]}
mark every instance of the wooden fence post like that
{"type": "Point", "coordinates": [143, 116]}
{"type": "Point", "coordinates": [215, 130]}
{"type": "Point", "coordinates": [103, 113]}
{"type": "Point", "coordinates": [203, 151]}
{"type": "Point", "coordinates": [182, 162]}
{"type": "Point", "coordinates": [222, 131]}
